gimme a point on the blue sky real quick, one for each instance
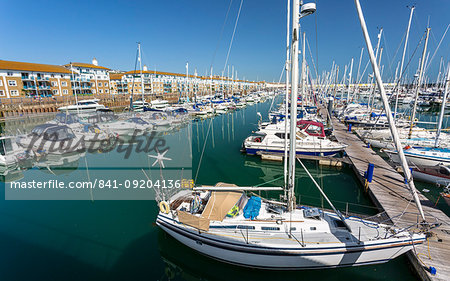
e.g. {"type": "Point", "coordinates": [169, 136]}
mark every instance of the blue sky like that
{"type": "Point", "coordinates": [177, 31]}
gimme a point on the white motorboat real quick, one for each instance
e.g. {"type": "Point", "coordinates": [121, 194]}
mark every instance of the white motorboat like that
{"type": "Point", "coordinates": [51, 138]}
{"type": "Point", "coordinates": [10, 152]}
{"type": "Point", "coordinates": [310, 138]}
{"type": "Point", "coordinates": [84, 106]}
{"type": "Point", "coordinates": [159, 104]}
{"type": "Point", "coordinates": [422, 156]}
{"type": "Point", "coordinates": [439, 175]}
{"type": "Point", "coordinates": [139, 105]}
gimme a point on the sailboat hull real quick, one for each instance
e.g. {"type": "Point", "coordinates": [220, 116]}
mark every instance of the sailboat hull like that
{"type": "Point", "coordinates": [309, 257]}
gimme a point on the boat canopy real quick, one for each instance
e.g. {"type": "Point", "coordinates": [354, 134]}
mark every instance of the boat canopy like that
{"type": "Point", "coordinates": [312, 128]}
{"type": "Point", "coordinates": [194, 221]}
{"type": "Point", "coordinates": [66, 118]}
{"type": "Point", "coordinates": [220, 203]}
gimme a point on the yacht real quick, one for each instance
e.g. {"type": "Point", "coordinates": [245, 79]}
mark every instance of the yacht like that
{"type": "Point", "coordinates": [84, 106]}
{"type": "Point", "coordinates": [311, 140]}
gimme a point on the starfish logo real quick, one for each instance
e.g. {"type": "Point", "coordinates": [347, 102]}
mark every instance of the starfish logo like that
{"type": "Point", "coordinates": [160, 158]}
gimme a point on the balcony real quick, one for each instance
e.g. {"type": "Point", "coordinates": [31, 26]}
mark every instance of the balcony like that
{"type": "Point", "coordinates": [41, 78]}
{"type": "Point", "coordinates": [29, 87]}
{"type": "Point", "coordinates": [27, 77]}
{"type": "Point", "coordinates": [44, 87]}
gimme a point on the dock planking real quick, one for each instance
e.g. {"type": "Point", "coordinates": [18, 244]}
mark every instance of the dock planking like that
{"type": "Point", "coordinates": [389, 192]}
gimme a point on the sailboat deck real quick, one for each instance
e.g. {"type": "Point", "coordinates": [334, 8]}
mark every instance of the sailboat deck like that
{"type": "Point", "coordinates": [390, 194]}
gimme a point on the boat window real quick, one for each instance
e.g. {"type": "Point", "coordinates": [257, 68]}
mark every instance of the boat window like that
{"type": "Point", "coordinates": [5, 146]}
{"type": "Point", "coordinates": [269, 228]}
{"type": "Point", "coordinates": [245, 227]}
{"type": "Point", "coordinates": [313, 228]}
{"type": "Point", "coordinates": [313, 129]}
{"type": "Point", "coordinates": [301, 135]}
{"type": "Point", "coordinates": [444, 171]}
{"type": "Point", "coordinates": [58, 134]}
{"type": "Point", "coordinates": [281, 135]}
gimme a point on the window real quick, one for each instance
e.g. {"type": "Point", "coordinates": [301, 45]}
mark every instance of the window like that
{"type": "Point", "coordinates": [62, 75]}
{"type": "Point", "coordinates": [2, 93]}
{"type": "Point", "coordinates": [55, 92]}
{"type": "Point", "coordinates": [106, 91]}
{"type": "Point", "coordinates": [100, 91]}
{"type": "Point", "coordinates": [92, 84]}
{"type": "Point", "coordinates": [99, 84]}
{"type": "Point", "coordinates": [14, 92]}
{"type": "Point", "coordinates": [12, 83]}
{"type": "Point", "coordinates": [65, 92]}
{"type": "Point", "coordinates": [53, 75]}
{"type": "Point", "coordinates": [54, 84]}
{"type": "Point", "coordinates": [9, 73]}
{"type": "Point", "coordinates": [106, 84]}
{"type": "Point", "coordinates": [64, 83]}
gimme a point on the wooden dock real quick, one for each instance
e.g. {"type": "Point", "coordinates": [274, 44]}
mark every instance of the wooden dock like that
{"type": "Point", "coordinates": [323, 160]}
{"type": "Point", "coordinates": [391, 195]}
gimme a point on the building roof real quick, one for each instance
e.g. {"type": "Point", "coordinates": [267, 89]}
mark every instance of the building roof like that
{"type": "Point", "coordinates": [115, 76]}
{"type": "Point", "coordinates": [182, 75]}
{"type": "Point", "coordinates": [33, 67]}
{"type": "Point", "coordinates": [85, 65]}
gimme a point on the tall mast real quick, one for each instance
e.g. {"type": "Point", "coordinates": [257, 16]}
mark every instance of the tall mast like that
{"type": "Point", "coordinates": [140, 67]}
{"type": "Point", "coordinates": [303, 72]}
{"type": "Point", "coordinates": [187, 80]}
{"type": "Point", "coordinates": [444, 100]}
{"type": "Point", "coordinates": [294, 94]}
{"type": "Point", "coordinates": [286, 102]}
{"type": "Point", "coordinates": [387, 108]}
{"type": "Point", "coordinates": [376, 56]}
{"type": "Point", "coordinates": [349, 81]}
{"type": "Point", "coordinates": [419, 82]}
{"type": "Point", "coordinates": [403, 59]}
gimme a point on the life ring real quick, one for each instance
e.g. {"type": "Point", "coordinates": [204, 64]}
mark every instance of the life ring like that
{"type": "Point", "coordinates": [164, 207]}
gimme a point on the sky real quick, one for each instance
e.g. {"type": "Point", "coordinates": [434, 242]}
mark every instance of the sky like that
{"type": "Point", "coordinates": [199, 32]}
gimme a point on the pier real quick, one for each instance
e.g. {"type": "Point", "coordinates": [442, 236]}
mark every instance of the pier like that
{"type": "Point", "coordinates": [389, 193]}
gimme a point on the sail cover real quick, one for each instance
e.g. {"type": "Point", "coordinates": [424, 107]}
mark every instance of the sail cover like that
{"type": "Point", "coordinates": [220, 203]}
{"type": "Point", "coordinates": [194, 221]}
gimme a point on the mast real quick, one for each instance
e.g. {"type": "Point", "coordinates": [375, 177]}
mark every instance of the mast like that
{"type": "Point", "coordinates": [286, 102]}
{"type": "Point", "coordinates": [142, 77]}
{"type": "Point", "coordinates": [187, 81]}
{"type": "Point", "coordinates": [349, 81]}
{"type": "Point", "coordinates": [419, 82]}
{"type": "Point", "coordinates": [294, 94]}
{"type": "Point", "coordinates": [392, 127]}
{"type": "Point", "coordinates": [376, 56]}
{"type": "Point", "coordinates": [303, 85]}
{"type": "Point", "coordinates": [444, 100]}
{"type": "Point", "coordinates": [403, 59]}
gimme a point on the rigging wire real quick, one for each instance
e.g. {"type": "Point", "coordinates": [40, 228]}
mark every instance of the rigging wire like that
{"type": "Point", "coordinates": [221, 33]}
{"type": "Point", "coordinates": [232, 37]}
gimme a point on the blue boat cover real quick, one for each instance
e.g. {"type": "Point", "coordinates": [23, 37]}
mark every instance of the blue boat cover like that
{"type": "Point", "coordinates": [251, 209]}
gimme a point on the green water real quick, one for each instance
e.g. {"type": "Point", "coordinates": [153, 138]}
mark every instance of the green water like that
{"type": "Point", "coordinates": [117, 240]}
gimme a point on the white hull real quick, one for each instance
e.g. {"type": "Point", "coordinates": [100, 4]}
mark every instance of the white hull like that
{"type": "Point", "coordinates": [309, 257]}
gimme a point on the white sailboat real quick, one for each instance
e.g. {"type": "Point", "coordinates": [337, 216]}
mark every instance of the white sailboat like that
{"type": "Point", "coordinates": [222, 222]}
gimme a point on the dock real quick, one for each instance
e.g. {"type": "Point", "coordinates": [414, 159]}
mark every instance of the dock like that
{"type": "Point", "coordinates": [390, 194]}
{"type": "Point", "coordinates": [323, 160]}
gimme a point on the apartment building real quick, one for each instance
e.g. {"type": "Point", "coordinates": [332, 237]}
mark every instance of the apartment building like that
{"type": "Point", "coordinates": [89, 78]}
{"type": "Point", "coordinates": [20, 79]}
